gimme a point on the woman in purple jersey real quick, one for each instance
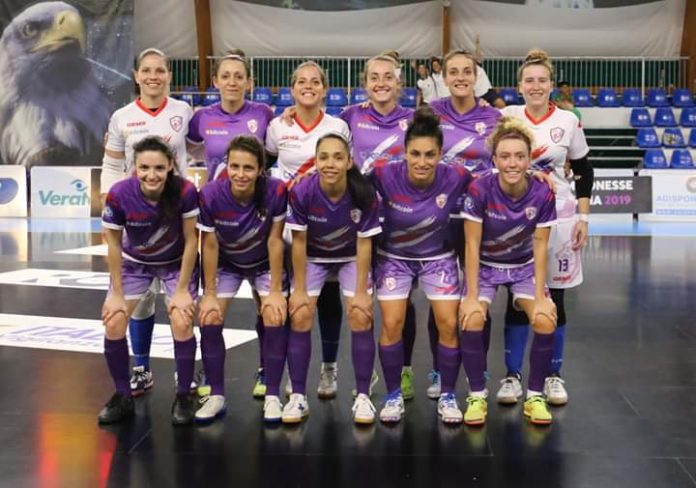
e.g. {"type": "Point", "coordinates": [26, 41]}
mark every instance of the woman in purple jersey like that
{"type": "Point", "coordinates": [158, 210]}
{"type": "Point", "coordinates": [242, 218]}
{"type": "Point", "coordinates": [509, 216]}
{"type": "Point", "coordinates": [333, 217]}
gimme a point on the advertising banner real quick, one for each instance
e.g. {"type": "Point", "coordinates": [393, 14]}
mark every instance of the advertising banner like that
{"type": "Point", "coordinates": [673, 195]}
{"type": "Point", "coordinates": [13, 191]}
{"type": "Point", "coordinates": [60, 192]}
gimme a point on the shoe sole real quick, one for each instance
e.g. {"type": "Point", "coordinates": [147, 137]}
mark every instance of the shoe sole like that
{"type": "Point", "coordinates": [294, 420]}
{"type": "Point", "coordinates": [557, 403]}
{"type": "Point", "coordinates": [182, 422]}
{"type": "Point", "coordinates": [326, 396]}
{"type": "Point", "coordinates": [210, 420]}
{"type": "Point", "coordinates": [141, 392]}
{"type": "Point", "coordinates": [475, 423]}
{"type": "Point", "coordinates": [258, 394]}
{"type": "Point", "coordinates": [507, 401]}
{"type": "Point", "coordinates": [273, 420]}
{"type": "Point", "coordinates": [537, 421]}
{"type": "Point", "coordinates": [408, 396]}
{"type": "Point", "coordinates": [451, 421]}
{"type": "Point", "coordinates": [433, 396]}
{"type": "Point", "coordinates": [115, 421]}
{"type": "Point", "coordinates": [390, 420]}
{"type": "Point", "coordinates": [363, 421]}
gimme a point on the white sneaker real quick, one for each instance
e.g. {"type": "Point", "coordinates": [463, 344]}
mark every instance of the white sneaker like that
{"type": "Point", "coordinates": [363, 410]}
{"type": "Point", "coordinates": [328, 380]}
{"type": "Point", "coordinates": [140, 381]}
{"type": "Point", "coordinates": [272, 409]}
{"type": "Point", "coordinates": [213, 406]}
{"type": "Point", "coordinates": [554, 391]}
{"type": "Point", "coordinates": [435, 387]}
{"type": "Point", "coordinates": [510, 391]}
{"type": "Point", "coordinates": [296, 410]}
{"type": "Point", "coordinates": [448, 409]}
{"type": "Point", "coordinates": [393, 408]}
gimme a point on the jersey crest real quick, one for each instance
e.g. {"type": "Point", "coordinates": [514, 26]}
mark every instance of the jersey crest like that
{"type": "Point", "coordinates": [556, 134]}
{"type": "Point", "coordinates": [253, 125]}
{"type": "Point", "coordinates": [176, 122]}
{"type": "Point", "coordinates": [530, 212]}
{"type": "Point", "coordinates": [403, 124]}
{"type": "Point", "coordinates": [480, 127]}
{"type": "Point", "coordinates": [355, 215]}
{"type": "Point", "coordinates": [441, 200]}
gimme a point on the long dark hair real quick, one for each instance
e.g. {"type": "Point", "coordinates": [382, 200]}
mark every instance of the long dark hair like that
{"type": "Point", "coordinates": [424, 124]}
{"type": "Point", "coordinates": [361, 191]}
{"type": "Point", "coordinates": [170, 200]}
{"type": "Point", "coordinates": [252, 146]}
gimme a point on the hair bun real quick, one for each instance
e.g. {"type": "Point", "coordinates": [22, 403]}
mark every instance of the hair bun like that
{"type": "Point", "coordinates": [536, 56]}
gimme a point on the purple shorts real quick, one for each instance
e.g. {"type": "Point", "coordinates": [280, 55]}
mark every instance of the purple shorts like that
{"type": "Point", "coordinates": [519, 280]}
{"type": "Point", "coordinates": [230, 278]}
{"type": "Point", "coordinates": [439, 279]}
{"type": "Point", "coordinates": [347, 273]}
{"type": "Point", "coordinates": [137, 277]}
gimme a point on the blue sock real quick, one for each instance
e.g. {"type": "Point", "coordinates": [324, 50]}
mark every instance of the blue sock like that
{"type": "Point", "coordinates": [140, 339]}
{"type": "Point", "coordinates": [515, 344]}
{"type": "Point", "coordinates": [558, 344]}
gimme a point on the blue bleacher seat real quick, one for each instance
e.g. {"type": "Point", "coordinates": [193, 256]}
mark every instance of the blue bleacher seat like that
{"type": "Point", "coordinates": [632, 98]}
{"type": "Point", "coordinates": [656, 97]}
{"type": "Point", "coordinates": [655, 159]}
{"type": "Point", "coordinates": [607, 98]}
{"type": "Point", "coordinates": [582, 97]}
{"type": "Point", "coordinates": [212, 96]}
{"type": "Point", "coordinates": [190, 94]}
{"type": "Point", "coordinates": [333, 110]}
{"type": "Point", "coordinates": [409, 97]}
{"type": "Point", "coordinates": [555, 93]}
{"type": "Point", "coordinates": [284, 98]}
{"type": "Point", "coordinates": [664, 117]}
{"type": "Point", "coordinates": [263, 94]}
{"type": "Point", "coordinates": [673, 137]}
{"type": "Point", "coordinates": [336, 97]}
{"type": "Point", "coordinates": [692, 138]}
{"type": "Point", "coordinates": [688, 117]}
{"type": "Point", "coordinates": [358, 95]}
{"type": "Point", "coordinates": [681, 159]}
{"type": "Point", "coordinates": [640, 117]}
{"type": "Point", "coordinates": [279, 110]}
{"type": "Point", "coordinates": [647, 137]}
{"type": "Point", "coordinates": [509, 96]}
{"type": "Point", "coordinates": [682, 98]}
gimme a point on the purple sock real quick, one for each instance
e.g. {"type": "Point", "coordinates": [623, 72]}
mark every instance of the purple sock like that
{"type": "Point", "coordinates": [474, 359]}
{"type": "Point", "coordinates": [434, 338]}
{"type": "Point", "coordinates": [116, 354]}
{"type": "Point", "coordinates": [275, 349]}
{"type": "Point", "coordinates": [540, 360]}
{"type": "Point", "coordinates": [392, 359]}
{"type": "Point", "coordinates": [363, 352]}
{"type": "Point", "coordinates": [299, 353]}
{"type": "Point", "coordinates": [213, 352]}
{"type": "Point", "coordinates": [486, 340]}
{"type": "Point", "coordinates": [185, 357]}
{"type": "Point", "coordinates": [260, 329]}
{"type": "Point", "coordinates": [449, 360]}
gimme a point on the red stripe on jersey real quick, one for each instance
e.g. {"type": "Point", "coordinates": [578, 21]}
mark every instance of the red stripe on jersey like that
{"type": "Point", "coordinates": [552, 109]}
{"type": "Point", "coordinates": [142, 107]}
{"type": "Point", "coordinates": [313, 125]}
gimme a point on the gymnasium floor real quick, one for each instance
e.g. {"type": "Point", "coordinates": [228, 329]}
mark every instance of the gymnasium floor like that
{"type": "Point", "coordinates": [630, 370]}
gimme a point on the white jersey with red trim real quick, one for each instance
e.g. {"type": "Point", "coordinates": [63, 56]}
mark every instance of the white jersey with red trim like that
{"type": "Point", "coordinates": [295, 144]}
{"type": "Point", "coordinates": [134, 122]}
{"type": "Point", "coordinates": [558, 136]}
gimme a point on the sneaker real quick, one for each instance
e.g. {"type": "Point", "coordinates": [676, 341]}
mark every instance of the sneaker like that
{"type": "Point", "coordinates": [373, 382]}
{"type": "Point", "coordinates": [272, 409]}
{"type": "Point", "coordinates": [537, 411]}
{"type": "Point", "coordinates": [296, 410]}
{"type": "Point", "coordinates": [435, 387]}
{"type": "Point", "coordinates": [554, 391]}
{"type": "Point", "coordinates": [194, 385]}
{"type": "Point", "coordinates": [327, 381]}
{"type": "Point", "coordinates": [510, 390]}
{"type": "Point", "coordinates": [448, 409]}
{"type": "Point", "coordinates": [183, 409]}
{"type": "Point", "coordinates": [213, 407]}
{"type": "Point", "coordinates": [407, 383]}
{"type": "Point", "coordinates": [476, 410]}
{"type": "Point", "coordinates": [141, 381]}
{"type": "Point", "coordinates": [118, 408]}
{"type": "Point", "coordinates": [259, 390]}
{"type": "Point", "coordinates": [393, 408]}
{"type": "Point", "coordinates": [363, 410]}
{"type": "Point", "coordinates": [200, 385]}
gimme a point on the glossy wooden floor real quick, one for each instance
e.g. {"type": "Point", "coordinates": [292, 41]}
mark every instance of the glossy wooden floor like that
{"type": "Point", "coordinates": [630, 371]}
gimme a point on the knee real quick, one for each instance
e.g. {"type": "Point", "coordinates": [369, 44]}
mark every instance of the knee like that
{"type": "Point", "coordinates": [269, 319]}
{"type": "Point", "coordinates": [182, 326]}
{"type": "Point", "coordinates": [447, 330]}
{"type": "Point", "coordinates": [359, 321]}
{"type": "Point", "coordinates": [301, 320]}
{"type": "Point", "coordinates": [212, 318]}
{"type": "Point", "coordinates": [115, 328]}
{"type": "Point", "coordinates": [543, 324]}
{"type": "Point", "coordinates": [475, 322]}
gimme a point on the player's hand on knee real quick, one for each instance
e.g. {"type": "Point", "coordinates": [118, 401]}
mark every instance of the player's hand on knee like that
{"type": "Point", "coordinates": [362, 303]}
{"type": "Point", "coordinates": [471, 314]}
{"type": "Point", "coordinates": [113, 305]}
{"type": "Point", "coordinates": [183, 302]}
{"type": "Point", "coordinates": [544, 316]}
{"type": "Point", "coordinates": [298, 300]}
{"type": "Point", "coordinates": [274, 308]}
{"type": "Point", "coordinates": [209, 312]}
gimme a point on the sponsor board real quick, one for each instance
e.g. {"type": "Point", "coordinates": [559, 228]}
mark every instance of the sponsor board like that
{"type": "Point", "coordinates": [673, 195]}
{"type": "Point", "coordinates": [621, 194]}
{"type": "Point", "coordinates": [61, 191]}
{"type": "Point", "coordinates": [13, 191]}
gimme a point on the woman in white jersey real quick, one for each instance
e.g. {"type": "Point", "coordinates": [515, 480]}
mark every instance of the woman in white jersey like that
{"type": "Point", "coordinates": [559, 137]}
{"type": "Point", "coordinates": [153, 113]}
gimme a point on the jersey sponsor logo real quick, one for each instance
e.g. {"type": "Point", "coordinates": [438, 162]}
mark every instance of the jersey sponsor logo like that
{"type": "Point", "coordinates": [495, 215]}
{"type": "Point", "coordinates": [365, 125]}
{"type": "Point", "coordinates": [556, 134]}
{"type": "Point", "coordinates": [403, 124]}
{"type": "Point", "coordinates": [216, 132]}
{"type": "Point", "coordinates": [176, 122]}
{"type": "Point", "coordinates": [355, 215]}
{"type": "Point", "coordinates": [135, 124]}
{"type": "Point", "coordinates": [530, 212]}
{"type": "Point", "coordinates": [480, 127]}
{"type": "Point", "coordinates": [441, 200]}
{"type": "Point", "coordinates": [252, 125]}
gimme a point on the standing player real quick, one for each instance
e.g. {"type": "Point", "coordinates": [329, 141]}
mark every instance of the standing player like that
{"type": "Point", "coordinates": [153, 113]}
{"type": "Point", "coordinates": [559, 137]}
{"type": "Point", "coordinates": [333, 216]}
{"type": "Point", "coordinates": [242, 219]}
{"type": "Point", "coordinates": [157, 209]}
{"type": "Point", "coordinates": [508, 219]}
{"type": "Point", "coordinates": [419, 195]}
{"type": "Point", "coordinates": [212, 128]}
{"type": "Point", "coordinates": [295, 147]}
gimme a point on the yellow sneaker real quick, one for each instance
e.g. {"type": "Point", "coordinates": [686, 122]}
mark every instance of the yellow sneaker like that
{"type": "Point", "coordinates": [537, 411]}
{"type": "Point", "coordinates": [476, 410]}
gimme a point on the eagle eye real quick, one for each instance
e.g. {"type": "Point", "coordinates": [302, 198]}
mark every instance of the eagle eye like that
{"type": "Point", "coordinates": [29, 29]}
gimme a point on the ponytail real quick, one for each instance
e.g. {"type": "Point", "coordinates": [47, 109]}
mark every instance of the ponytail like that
{"type": "Point", "coordinates": [361, 191]}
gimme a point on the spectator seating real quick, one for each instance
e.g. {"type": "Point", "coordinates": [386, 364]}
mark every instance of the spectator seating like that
{"type": "Point", "coordinates": [284, 98]}
{"type": "Point", "coordinates": [664, 117]}
{"type": "Point", "coordinates": [657, 98]}
{"type": "Point", "coordinates": [655, 159]}
{"type": "Point", "coordinates": [682, 97]}
{"type": "Point", "coordinates": [681, 159]}
{"type": "Point", "coordinates": [673, 137]}
{"type": "Point", "coordinates": [358, 95]}
{"type": "Point", "coordinates": [647, 138]}
{"type": "Point", "coordinates": [632, 98]}
{"type": "Point", "coordinates": [607, 98]}
{"type": "Point", "coordinates": [640, 117]}
{"type": "Point", "coordinates": [688, 117]}
{"type": "Point", "coordinates": [336, 97]}
{"type": "Point", "coordinates": [582, 97]}
{"type": "Point", "coordinates": [509, 96]}
{"type": "Point", "coordinates": [263, 95]}
{"type": "Point", "coordinates": [409, 97]}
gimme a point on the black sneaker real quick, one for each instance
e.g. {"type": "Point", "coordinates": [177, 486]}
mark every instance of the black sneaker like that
{"type": "Point", "coordinates": [183, 409]}
{"type": "Point", "coordinates": [118, 408]}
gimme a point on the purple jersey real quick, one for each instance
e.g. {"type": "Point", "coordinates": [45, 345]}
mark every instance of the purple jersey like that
{"type": "Point", "coordinates": [465, 134]}
{"type": "Point", "coordinates": [216, 128]}
{"type": "Point", "coordinates": [416, 221]}
{"type": "Point", "coordinates": [332, 227]}
{"type": "Point", "coordinates": [241, 232]}
{"type": "Point", "coordinates": [148, 238]}
{"type": "Point", "coordinates": [508, 225]}
{"type": "Point", "coordinates": [377, 139]}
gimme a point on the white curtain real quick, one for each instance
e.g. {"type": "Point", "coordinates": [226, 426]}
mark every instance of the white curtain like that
{"type": "Point", "coordinates": [169, 25]}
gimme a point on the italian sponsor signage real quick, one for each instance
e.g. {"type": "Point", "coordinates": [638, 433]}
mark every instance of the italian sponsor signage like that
{"type": "Point", "coordinates": [621, 194]}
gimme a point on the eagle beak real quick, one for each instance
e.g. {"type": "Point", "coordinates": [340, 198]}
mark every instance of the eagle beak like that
{"type": "Point", "coordinates": [67, 28]}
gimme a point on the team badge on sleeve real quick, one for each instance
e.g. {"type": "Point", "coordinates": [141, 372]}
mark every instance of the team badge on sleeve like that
{"type": "Point", "coordinates": [253, 125]}
{"type": "Point", "coordinates": [441, 200]}
{"type": "Point", "coordinates": [177, 122]}
{"type": "Point", "coordinates": [355, 215]}
{"type": "Point", "coordinates": [556, 134]}
{"type": "Point", "coordinates": [530, 212]}
{"type": "Point", "coordinates": [480, 127]}
{"type": "Point", "coordinates": [390, 283]}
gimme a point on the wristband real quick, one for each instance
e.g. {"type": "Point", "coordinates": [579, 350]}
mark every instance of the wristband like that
{"type": "Point", "coordinates": [583, 217]}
